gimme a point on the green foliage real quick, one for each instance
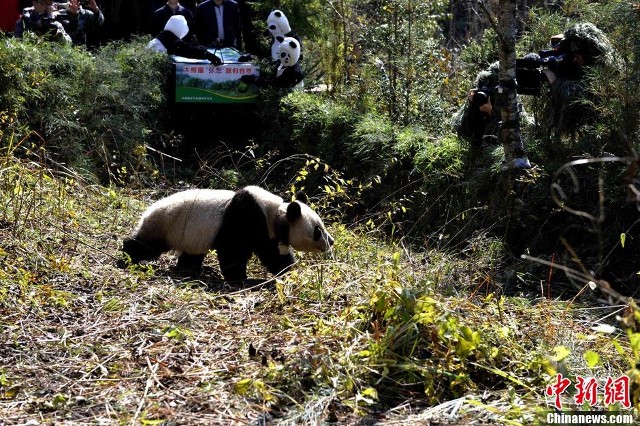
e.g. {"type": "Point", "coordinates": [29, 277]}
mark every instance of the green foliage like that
{"type": "Point", "coordinates": [369, 157]}
{"type": "Point", "coordinates": [433, 157]}
{"type": "Point", "coordinates": [389, 52]}
{"type": "Point", "coordinates": [319, 126]}
{"type": "Point", "coordinates": [436, 348]}
{"type": "Point", "coordinates": [93, 112]}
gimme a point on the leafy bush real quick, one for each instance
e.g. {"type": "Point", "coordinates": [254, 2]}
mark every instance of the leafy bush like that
{"type": "Point", "coordinates": [93, 112]}
{"type": "Point", "coordinates": [318, 126]}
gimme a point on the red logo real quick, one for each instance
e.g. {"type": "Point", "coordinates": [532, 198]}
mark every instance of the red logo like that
{"type": "Point", "coordinates": [615, 391]}
{"type": "Point", "coordinates": [557, 389]}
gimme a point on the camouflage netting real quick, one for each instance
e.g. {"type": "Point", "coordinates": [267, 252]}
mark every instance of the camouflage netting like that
{"type": "Point", "coordinates": [587, 39]}
{"type": "Point", "coordinates": [489, 77]}
{"type": "Point", "coordinates": [467, 120]}
{"type": "Point", "coordinates": [570, 102]}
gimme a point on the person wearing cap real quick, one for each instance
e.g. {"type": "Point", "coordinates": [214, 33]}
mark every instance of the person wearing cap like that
{"type": "Point", "coordinates": [585, 47]}
{"type": "Point", "coordinates": [579, 48]}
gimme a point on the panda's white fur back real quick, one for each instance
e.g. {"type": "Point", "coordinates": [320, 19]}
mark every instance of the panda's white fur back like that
{"type": "Point", "coordinates": [195, 213]}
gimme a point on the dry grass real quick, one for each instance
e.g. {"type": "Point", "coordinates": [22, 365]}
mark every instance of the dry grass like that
{"type": "Point", "coordinates": [84, 342]}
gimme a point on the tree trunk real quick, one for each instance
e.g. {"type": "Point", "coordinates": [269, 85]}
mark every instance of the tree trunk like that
{"type": "Point", "coordinates": [509, 133]}
{"type": "Point", "coordinates": [510, 125]}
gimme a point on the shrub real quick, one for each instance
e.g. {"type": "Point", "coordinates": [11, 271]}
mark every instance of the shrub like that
{"type": "Point", "coordinates": [93, 112]}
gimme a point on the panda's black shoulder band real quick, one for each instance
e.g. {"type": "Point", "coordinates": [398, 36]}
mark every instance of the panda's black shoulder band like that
{"type": "Point", "coordinates": [282, 228]}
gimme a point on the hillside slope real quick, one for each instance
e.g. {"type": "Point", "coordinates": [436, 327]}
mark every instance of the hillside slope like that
{"type": "Point", "coordinates": [371, 331]}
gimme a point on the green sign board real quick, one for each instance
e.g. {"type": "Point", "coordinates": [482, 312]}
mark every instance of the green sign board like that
{"type": "Point", "coordinates": [198, 81]}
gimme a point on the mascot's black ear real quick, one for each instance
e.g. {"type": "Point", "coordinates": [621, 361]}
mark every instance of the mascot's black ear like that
{"type": "Point", "coordinates": [292, 44]}
{"type": "Point", "coordinates": [302, 197]}
{"type": "Point", "coordinates": [280, 39]}
{"type": "Point", "coordinates": [278, 14]}
{"type": "Point", "coordinates": [293, 211]}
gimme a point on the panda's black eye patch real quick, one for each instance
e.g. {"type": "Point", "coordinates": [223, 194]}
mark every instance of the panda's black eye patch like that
{"type": "Point", "coordinates": [282, 55]}
{"type": "Point", "coordinates": [317, 233]}
{"type": "Point", "coordinates": [272, 27]}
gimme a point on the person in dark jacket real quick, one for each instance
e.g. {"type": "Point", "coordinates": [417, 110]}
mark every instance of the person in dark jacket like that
{"type": "Point", "coordinates": [80, 22]}
{"type": "Point", "coordinates": [170, 40]}
{"type": "Point", "coordinates": [173, 7]}
{"type": "Point", "coordinates": [218, 24]}
{"type": "Point", "coordinates": [41, 20]}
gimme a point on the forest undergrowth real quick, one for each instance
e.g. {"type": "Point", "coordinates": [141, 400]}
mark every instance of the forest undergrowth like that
{"type": "Point", "coordinates": [455, 293]}
{"type": "Point", "coordinates": [373, 332]}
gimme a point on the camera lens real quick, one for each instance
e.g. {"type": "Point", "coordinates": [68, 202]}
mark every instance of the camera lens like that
{"type": "Point", "coordinates": [480, 98]}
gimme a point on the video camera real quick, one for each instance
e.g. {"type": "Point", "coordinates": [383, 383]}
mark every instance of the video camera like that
{"type": "Point", "coordinates": [529, 70]}
{"type": "Point", "coordinates": [481, 96]}
{"type": "Point", "coordinates": [47, 25]}
{"type": "Point", "coordinates": [530, 75]}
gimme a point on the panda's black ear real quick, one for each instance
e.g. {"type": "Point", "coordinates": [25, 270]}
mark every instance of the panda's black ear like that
{"type": "Point", "coordinates": [302, 197]}
{"type": "Point", "coordinates": [278, 14]}
{"type": "Point", "coordinates": [293, 211]}
{"type": "Point", "coordinates": [280, 39]}
{"type": "Point", "coordinates": [293, 44]}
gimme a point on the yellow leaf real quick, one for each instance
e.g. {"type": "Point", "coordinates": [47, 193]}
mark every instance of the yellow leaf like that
{"type": "Point", "coordinates": [592, 358]}
{"type": "Point", "coordinates": [370, 392]}
{"type": "Point", "coordinates": [242, 387]}
{"type": "Point", "coordinates": [10, 393]}
{"type": "Point", "coordinates": [561, 353]}
{"type": "Point", "coordinates": [152, 422]}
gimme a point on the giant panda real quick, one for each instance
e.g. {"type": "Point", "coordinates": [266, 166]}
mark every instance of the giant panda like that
{"type": "Point", "coordinates": [235, 224]}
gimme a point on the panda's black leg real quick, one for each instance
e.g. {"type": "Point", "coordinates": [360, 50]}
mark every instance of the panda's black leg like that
{"type": "Point", "coordinates": [191, 262]}
{"type": "Point", "coordinates": [233, 265]}
{"type": "Point", "coordinates": [276, 263]}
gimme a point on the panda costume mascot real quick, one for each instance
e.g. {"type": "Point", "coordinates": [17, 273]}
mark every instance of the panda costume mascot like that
{"type": "Point", "coordinates": [278, 26]}
{"type": "Point", "coordinates": [235, 224]}
{"type": "Point", "coordinates": [170, 41]}
{"type": "Point", "coordinates": [289, 73]}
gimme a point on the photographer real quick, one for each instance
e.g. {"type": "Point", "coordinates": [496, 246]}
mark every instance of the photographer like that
{"type": "Point", "coordinates": [40, 19]}
{"type": "Point", "coordinates": [558, 73]}
{"type": "Point", "coordinates": [572, 100]}
{"type": "Point", "coordinates": [478, 117]}
{"type": "Point", "coordinates": [80, 18]}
